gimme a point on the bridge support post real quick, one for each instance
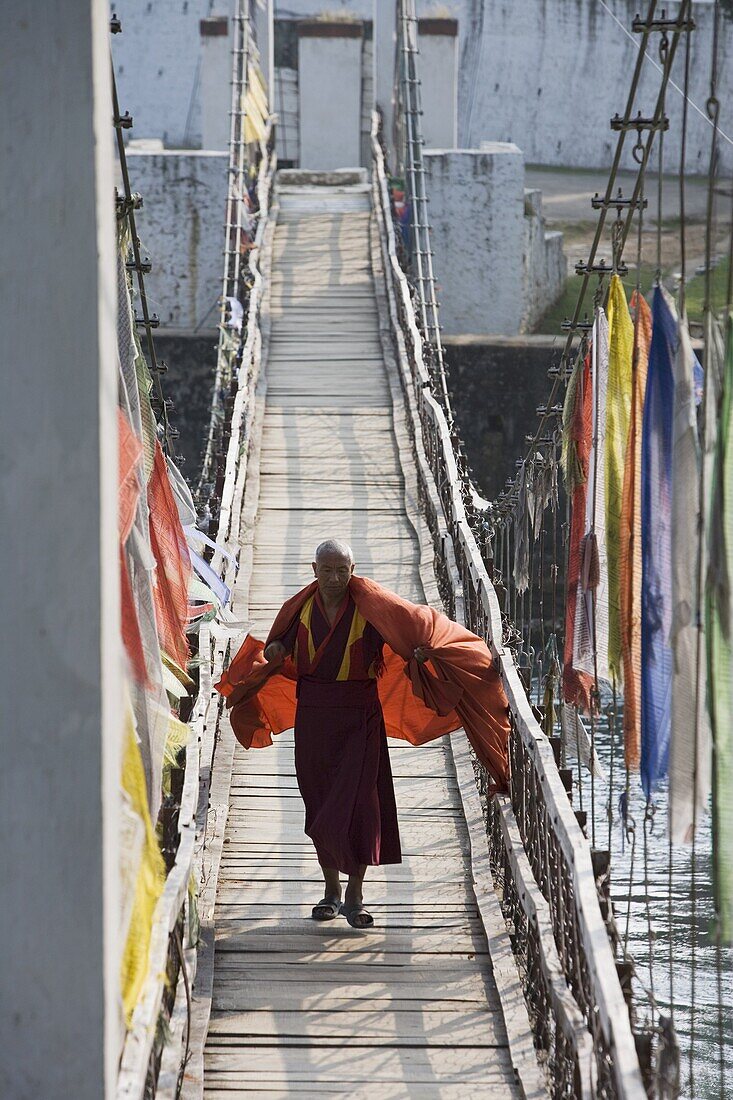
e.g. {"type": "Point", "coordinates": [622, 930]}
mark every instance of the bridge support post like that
{"type": "Point", "coordinates": [329, 74]}
{"type": "Point", "coordinates": [60, 648]}
{"type": "Point", "coordinates": [438, 45]}
{"type": "Point", "coordinates": [216, 75]}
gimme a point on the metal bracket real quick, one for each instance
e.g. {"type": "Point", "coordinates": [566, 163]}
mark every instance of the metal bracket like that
{"type": "Point", "coordinates": [639, 123]}
{"type": "Point", "coordinates": [619, 203]}
{"type": "Point", "coordinates": [639, 25]}
{"type": "Point", "coordinates": [601, 268]}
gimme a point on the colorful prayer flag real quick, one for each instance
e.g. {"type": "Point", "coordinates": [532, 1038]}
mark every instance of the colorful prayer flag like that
{"type": "Point", "coordinates": [656, 509]}
{"type": "Point", "coordinates": [719, 623]}
{"type": "Point", "coordinates": [618, 415]}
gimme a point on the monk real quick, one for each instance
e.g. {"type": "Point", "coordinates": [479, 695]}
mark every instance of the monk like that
{"type": "Point", "coordinates": [347, 662]}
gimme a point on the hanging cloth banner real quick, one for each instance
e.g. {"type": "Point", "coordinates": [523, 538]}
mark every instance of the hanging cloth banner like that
{"type": "Point", "coordinates": [221, 591]}
{"type": "Point", "coordinates": [719, 622]}
{"type": "Point", "coordinates": [194, 535]}
{"type": "Point", "coordinates": [150, 878]}
{"type": "Point", "coordinates": [255, 105]}
{"type": "Point", "coordinates": [618, 417]}
{"type": "Point", "coordinates": [656, 524]}
{"type": "Point", "coordinates": [630, 537]}
{"type": "Point", "coordinates": [174, 566]}
{"type": "Point", "coordinates": [689, 763]}
{"type": "Point", "coordinates": [576, 447]}
{"type": "Point", "coordinates": [590, 642]}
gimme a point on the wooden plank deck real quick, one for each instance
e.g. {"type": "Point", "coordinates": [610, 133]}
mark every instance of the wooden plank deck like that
{"type": "Point", "coordinates": [409, 1009]}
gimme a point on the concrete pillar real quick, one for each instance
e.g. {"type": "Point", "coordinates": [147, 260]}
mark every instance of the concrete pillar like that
{"type": "Point", "coordinates": [385, 46]}
{"type": "Point", "coordinates": [216, 82]}
{"type": "Point", "coordinates": [438, 71]}
{"type": "Point", "coordinates": [263, 15]}
{"type": "Point", "coordinates": [329, 77]}
{"type": "Point", "coordinates": [477, 214]}
{"type": "Point", "coordinates": [60, 647]}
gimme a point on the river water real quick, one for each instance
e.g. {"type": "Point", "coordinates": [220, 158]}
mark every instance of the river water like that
{"type": "Point", "coordinates": [641, 896]}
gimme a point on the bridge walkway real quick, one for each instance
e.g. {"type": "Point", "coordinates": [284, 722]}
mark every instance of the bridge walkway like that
{"type": "Point", "coordinates": [410, 1008]}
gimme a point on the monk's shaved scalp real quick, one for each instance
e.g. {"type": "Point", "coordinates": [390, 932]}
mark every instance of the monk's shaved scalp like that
{"type": "Point", "coordinates": [334, 546]}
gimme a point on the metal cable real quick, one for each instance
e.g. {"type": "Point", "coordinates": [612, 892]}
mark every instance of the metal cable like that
{"type": "Point", "coordinates": [236, 174]}
{"type": "Point", "coordinates": [149, 322]}
{"type": "Point", "coordinates": [422, 247]}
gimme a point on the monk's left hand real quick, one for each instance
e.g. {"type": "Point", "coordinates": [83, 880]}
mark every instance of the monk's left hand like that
{"type": "Point", "coordinates": [420, 654]}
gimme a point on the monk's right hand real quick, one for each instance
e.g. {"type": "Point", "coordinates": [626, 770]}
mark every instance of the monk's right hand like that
{"type": "Point", "coordinates": [275, 653]}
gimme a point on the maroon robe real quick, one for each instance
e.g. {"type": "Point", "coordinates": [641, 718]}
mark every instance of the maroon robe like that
{"type": "Point", "coordinates": [341, 756]}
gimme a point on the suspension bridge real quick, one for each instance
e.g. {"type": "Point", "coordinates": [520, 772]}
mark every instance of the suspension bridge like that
{"type": "Point", "coordinates": [499, 962]}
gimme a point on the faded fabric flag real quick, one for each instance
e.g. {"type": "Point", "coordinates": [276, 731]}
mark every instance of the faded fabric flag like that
{"type": "Point", "coordinates": [590, 642]}
{"type": "Point", "coordinates": [618, 416]}
{"type": "Point", "coordinates": [630, 536]}
{"type": "Point", "coordinates": [576, 447]}
{"type": "Point", "coordinates": [689, 763]}
{"type": "Point", "coordinates": [719, 623]}
{"type": "Point", "coordinates": [656, 519]}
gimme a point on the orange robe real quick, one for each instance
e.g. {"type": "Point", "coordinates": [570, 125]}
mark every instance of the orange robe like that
{"type": "Point", "coordinates": [460, 687]}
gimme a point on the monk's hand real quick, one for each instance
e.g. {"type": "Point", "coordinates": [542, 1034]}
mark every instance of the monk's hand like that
{"type": "Point", "coordinates": [275, 653]}
{"type": "Point", "coordinates": [420, 655]}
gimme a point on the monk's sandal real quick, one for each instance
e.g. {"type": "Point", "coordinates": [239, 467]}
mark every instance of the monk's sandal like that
{"type": "Point", "coordinates": [351, 912]}
{"type": "Point", "coordinates": [328, 909]}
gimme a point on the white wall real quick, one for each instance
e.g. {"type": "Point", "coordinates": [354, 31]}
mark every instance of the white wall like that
{"type": "Point", "coordinates": [477, 214]}
{"type": "Point", "coordinates": [60, 644]}
{"type": "Point", "coordinates": [181, 226]}
{"type": "Point", "coordinates": [550, 75]}
{"type": "Point", "coordinates": [157, 65]}
{"type": "Point", "coordinates": [544, 266]}
{"type": "Point", "coordinates": [547, 76]}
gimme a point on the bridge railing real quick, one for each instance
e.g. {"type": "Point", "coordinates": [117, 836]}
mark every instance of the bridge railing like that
{"type": "Point", "coordinates": [541, 857]}
{"type": "Point", "coordinates": [145, 1071]}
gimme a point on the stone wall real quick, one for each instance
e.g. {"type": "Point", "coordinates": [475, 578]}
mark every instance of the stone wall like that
{"type": "Point", "coordinates": [191, 364]}
{"type": "Point", "coordinates": [496, 387]}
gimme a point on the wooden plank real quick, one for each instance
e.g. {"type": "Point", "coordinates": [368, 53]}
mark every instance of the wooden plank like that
{"type": "Point", "coordinates": [414, 1027]}
{"type": "Point", "coordinates": [337, 938]}
{"type": "Point", "coordinates": [464, 1065]}
{"type": "Point", "coordinates": [320, 992]}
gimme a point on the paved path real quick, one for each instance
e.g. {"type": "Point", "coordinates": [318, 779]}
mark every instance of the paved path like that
{"type": "Point", "coordinates": [409, 1009]}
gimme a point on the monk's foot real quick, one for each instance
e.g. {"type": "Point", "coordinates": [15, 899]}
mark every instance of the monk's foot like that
{"type": "Point", "coordinates": [356, 914]}
{"type": "Point", "coordinates": [328, 909]}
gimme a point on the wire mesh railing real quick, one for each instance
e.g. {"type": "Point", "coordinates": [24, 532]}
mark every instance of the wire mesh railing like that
{"type": "Point", "coordinates": [599, 1057]}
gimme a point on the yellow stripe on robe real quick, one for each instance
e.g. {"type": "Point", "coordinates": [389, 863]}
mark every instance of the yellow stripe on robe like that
{"type": "Point", "coordinates": [306, 615]}
{"type": "Point", "coordinates": [358, 625]}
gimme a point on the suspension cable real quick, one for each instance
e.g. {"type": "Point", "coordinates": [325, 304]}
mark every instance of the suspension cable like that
{"type": "Point", "coordinates": [149, 321]}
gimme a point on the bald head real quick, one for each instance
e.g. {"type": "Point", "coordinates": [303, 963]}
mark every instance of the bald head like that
{"type": "Point", "coordinates": [333, 566]}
